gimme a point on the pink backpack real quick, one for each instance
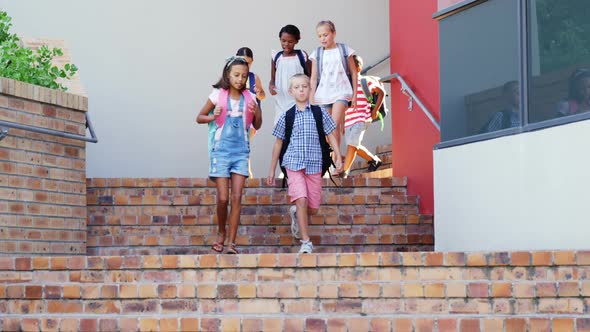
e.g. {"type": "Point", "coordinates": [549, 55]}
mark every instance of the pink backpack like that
{"type": "Point", "coordinates": [222, 101]}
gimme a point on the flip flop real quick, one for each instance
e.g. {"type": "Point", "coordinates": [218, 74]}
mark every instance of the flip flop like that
{"type": "Point", "coordinates": [232, 249]}
{"type": "Point", "coordinates": [217, 246]}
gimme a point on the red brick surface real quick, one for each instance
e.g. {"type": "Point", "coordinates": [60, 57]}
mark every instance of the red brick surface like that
{"type": "Point", "coordinates": [420, 291]}
{"type": "Point", "coordinates": [42, 177]}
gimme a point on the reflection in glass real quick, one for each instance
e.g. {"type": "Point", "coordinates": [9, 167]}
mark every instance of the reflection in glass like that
{"type": "Point", "coordinates": [559, 55]}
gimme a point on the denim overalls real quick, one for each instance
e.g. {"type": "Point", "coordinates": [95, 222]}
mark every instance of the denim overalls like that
{"type": "Point", "coordinates": [230, 152]}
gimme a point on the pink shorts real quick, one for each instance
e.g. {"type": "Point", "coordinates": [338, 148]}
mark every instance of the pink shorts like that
{"type": "Point", "coordinates": [305, 185]}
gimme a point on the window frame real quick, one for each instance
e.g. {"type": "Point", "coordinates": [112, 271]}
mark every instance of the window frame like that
{"type": "Point", "coordinates": [524, 68]}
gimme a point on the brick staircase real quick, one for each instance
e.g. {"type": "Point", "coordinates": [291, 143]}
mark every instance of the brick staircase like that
{"type": "Point", "coordinates": [520, 291]}
{"type": "Point", "coordinates": [359, 168]}
{"type": "Point", "coordinates": [177, 216]}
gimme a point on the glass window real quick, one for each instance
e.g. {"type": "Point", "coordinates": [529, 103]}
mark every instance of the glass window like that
{"type": "Point", "coordinates": [479, 67]}
{"type": "Point", "coordinates": [559, 58]}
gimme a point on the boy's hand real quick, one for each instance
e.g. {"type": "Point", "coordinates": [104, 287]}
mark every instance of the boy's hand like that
{"type": "Point", "coordinates": [338, 164]}
{"type": "Point", "coordinates": [216, 112]}
{"type": "Point", "coordinates": [270, 180]}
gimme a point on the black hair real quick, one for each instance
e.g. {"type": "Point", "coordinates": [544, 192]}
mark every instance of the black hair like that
{"type": "Point", "coordinates": [292, 30]}
{"type": "Point", "coordinates": [245, 51]}
{"type": "Point", "coordinates": [358, 61]}
{"type": "Point", "coordinates": [223, 82]}
{"type": "Point", "coordinates": [575, 80]}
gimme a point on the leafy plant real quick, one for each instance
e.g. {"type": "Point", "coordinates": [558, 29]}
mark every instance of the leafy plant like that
{"type": "Point", "coordinates": [22, 64]}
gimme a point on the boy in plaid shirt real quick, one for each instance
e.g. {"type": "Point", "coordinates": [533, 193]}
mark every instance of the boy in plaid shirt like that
{"type": "Point", "coordinates": [303, 159]}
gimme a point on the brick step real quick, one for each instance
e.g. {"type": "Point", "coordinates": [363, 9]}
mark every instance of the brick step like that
{"type": "Point", "coordinates": [380, 173]}
{"type": "Point", "coordinates": [177, 239]}
{"type": "Point", "coordinates": [362, 166]}
{"type": "Point", "coordinates": [194, 191]}
{"type": "Point", "coordinates": [359, 214]}
{"type": "Point", "coordinates": [311, 323]}
{"type": "Point", "coordinates": [497, 291]}
{"type": "Point", "coordinates": [254, 249]}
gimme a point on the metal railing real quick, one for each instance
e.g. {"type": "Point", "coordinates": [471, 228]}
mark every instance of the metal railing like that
{"type": "Point", "coordinates": [406, 90]}
{"type": "Point", "coordinates": [4, 125]}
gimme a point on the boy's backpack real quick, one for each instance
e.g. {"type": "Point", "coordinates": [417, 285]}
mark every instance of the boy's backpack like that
{"type": "Point", "coordinates": [372, 97]}
{"type": "Point", "coordinates": [301, 57]}
{"type": "Point", "coordinates": [505, 122]}
{"type": "Point", "coordinates": [326, 149]}
{"type": "Point", "coordinates": [344, 55]}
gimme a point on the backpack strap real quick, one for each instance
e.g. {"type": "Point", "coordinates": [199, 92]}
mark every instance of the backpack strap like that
{"type": "Point", "coordinates": [289, 120]}
{"type": "Point", "coordinates": [222, 102]}
{"type": "Point", "coordinates": [366, 91]}
{"type": "Point", "coordinates": [300, 56]}
{"type": "Point", "coordinates": [318, 60]}
{"type": "Point", "coordinates": [302, 60]}
{"type": "Point", "coordinates": [251, 81]}
{"type": "Point", "coordinates": [276, 58]}
{"type": "Point", "coordinates": [326, 149]}
{"type": "Point", "coordinates": [343, 52]}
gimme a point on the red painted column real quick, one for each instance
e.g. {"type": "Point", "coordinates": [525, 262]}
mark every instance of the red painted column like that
{"type": "Point", "coordinates": [415, 56]}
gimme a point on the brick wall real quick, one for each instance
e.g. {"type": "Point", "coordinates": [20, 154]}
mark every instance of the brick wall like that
{"type": "Point", "coordinates": [495, 292]}
{"type": "Point", "coordinates": [42, 177]}
{"type": "Point", "coordinates": [177, 216]}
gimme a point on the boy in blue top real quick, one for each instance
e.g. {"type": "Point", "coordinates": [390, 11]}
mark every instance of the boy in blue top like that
{"type": "Point", "coordinates": [303, 158]}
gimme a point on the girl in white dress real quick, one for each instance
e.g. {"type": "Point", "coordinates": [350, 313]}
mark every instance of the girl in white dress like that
{"type": "Point", "coordinates": [331, 76]}
{"type": "Point", "coordinates": [283, 65]}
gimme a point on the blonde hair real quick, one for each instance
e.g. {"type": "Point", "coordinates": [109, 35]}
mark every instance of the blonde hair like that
{"type": "Point", "coordinates": [328, 23]}
{"type": "Point", "coordinates": [296, 76]}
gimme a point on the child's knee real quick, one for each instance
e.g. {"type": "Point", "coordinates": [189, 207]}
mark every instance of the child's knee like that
{"type": "Point", "coordinates": [222, 201]}
{"type": "Point", "coordinates": [312, 211]}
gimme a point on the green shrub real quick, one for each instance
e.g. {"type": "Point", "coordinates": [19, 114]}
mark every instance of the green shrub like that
{"type": "Point", "coordinates": [22, 64]}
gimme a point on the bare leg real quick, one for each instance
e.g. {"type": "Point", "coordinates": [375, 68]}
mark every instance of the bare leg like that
{"type": "Point", "coordinates": [366, 154]}
{"type": "Point", "coordinates": [222, 185]}
{"type": "Point", "coordinates": [250, 174]}
{"type": "Point", "coordinates": [302, 217]}
{"type": "Point", "coordinates": [338, 110]}
{"type": "Point", "coordinates": [350, 155]}
{"type": "Point", "coordinates": [237, 185]}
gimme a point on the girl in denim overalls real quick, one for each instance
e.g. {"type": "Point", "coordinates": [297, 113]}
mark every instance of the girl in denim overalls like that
{"type": "Point", "coordinates": [229, 111]}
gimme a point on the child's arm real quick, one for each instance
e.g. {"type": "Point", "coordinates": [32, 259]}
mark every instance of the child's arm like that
{"type": "Point", "coordinates": [354, 78]}
{"type": "Point", "coordinates": [336, 148]}
{"type": "Point", "coordinates": [257, 121]}
{"type": "Point", "coordinates": [258, 88]}
{"type": "Point", "coordinates": [276, 150]}
{"type": "Point", "coordinates": [314, 81]}
{"type": "Point", "coordinates": [204, 116]}
{"type": "Point", "coordinates": [307, 64]}
{"type": "Point", "coordinates": [380, 95]}
{"type": "Point", "coordinates": [271, 85]}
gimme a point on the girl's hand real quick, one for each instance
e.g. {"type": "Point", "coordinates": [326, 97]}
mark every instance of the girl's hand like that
{"type": "Point", "coordinates": [353, 102]}
{"type": "Point", "coordinates": [216, 112]}
{"type": "Point", "coordinates": [253, 107]}
{"type": "Point", "coordinates": [273, 89]}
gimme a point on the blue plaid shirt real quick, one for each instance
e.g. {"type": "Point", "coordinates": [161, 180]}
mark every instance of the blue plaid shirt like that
{"type": "Point", "coordinates": [304, 150]}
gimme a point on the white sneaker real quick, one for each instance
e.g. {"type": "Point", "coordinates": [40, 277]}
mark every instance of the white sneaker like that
{"type": "Point", "coordinates": [294, 224]}
{"type": "Point", "coordinates": [306, 247]}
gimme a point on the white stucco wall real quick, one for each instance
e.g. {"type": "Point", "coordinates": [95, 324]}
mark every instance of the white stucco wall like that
{"type": "Point", "coordinates": [521, 192]}
{"type": "Point", "coordinates": [148, 67]}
